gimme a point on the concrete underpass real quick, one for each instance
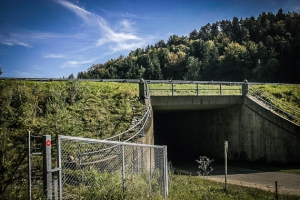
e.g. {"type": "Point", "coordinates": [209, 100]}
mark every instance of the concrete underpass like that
{"type": "Point", "coordinates": [198, 126]}
{"type": "Point", "coordinates": [183, 123]}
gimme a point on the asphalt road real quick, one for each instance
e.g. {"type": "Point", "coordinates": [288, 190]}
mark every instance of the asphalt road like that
{"type": "Point", "coordinates": [286, 183]}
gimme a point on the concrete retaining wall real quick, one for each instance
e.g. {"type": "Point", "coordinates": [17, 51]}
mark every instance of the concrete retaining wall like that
{"type": "Point", "coordinates": [267, 136]}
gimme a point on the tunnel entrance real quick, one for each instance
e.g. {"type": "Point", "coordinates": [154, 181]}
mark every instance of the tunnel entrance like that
{"type": "Point", "coordinates": [189, 134]}
{"type": "Point", "coordinates": [172, 129]}
{"type": "Point", "coordinates": [178, 131]}
{"type": "Point", "coordinates": [198, 126]}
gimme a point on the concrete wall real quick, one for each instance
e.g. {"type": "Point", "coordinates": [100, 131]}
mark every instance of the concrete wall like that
{"type": "Point", "coordinates": [268, 136]}
{"type": "Point", "coordinates": [253, 133]}
{"type": "Point", "coordinates": [148, 130]}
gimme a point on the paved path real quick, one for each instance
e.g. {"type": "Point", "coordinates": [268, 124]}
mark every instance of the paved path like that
{"type": "Point", "coordinates": [287, 183]}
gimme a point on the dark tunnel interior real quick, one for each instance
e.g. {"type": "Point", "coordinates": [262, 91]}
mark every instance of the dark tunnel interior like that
{"type": "Point", "coordinates": [173, 128]}
{"type": "Point", "coordinates": [189, 134]}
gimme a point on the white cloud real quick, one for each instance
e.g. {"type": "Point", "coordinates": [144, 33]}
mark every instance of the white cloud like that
{"type": "Point", "coordinates": [125, 46]}
{"type": "Point", "coordinates": [27, 38]}
{"type": "Point", "coordinates": [119, 40]}
{"type": "Point", "coordinates": [131, 16]}
{"type": "Point", "coordinates": [127, 25]}
{"type": "Point", "coordinates": [15, 42]}
{"type": "Point", "coordinates": [77, 63]}
{"type": "Point", "coordinates": [27, 74]}
{"type": "Point", "coordinates": [54, 56]}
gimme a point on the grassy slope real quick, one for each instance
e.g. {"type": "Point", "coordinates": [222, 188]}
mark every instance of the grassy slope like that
{"type": "Point", "coordinates": [286, 97]}
{"type": "Point", "coordinates": [85, 109]}
{"type": "Point", "coordinates": [97, 110]}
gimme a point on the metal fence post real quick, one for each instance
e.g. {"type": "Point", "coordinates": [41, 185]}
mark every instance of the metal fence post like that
{"type": "Point", "coordinates": [142, 88]}
{"type": "Point", "coordinates": [58, 143]}
{"type": "Point", "coordinates": [29, 167]}
{"type": "Point", "coordinates": [166, 191]}
{"type": "Point", "coordinates": [220, 89]}
{"type": "Point", "coordinates": [225, 155]}
{"type": "Point", "coordinates": [47, 177]}
{"type": "Point", "coordinates": [150, 169]}
{"type": "Point", "coordinates": [245, 88]}
{"type": "Point", "coordinates": [123, 172]}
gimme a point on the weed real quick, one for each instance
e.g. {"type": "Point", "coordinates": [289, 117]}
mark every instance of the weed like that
{"type": "Point", "coordinates": [204, 167]}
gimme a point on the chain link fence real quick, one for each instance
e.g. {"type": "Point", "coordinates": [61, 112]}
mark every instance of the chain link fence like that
{"type": "Point", "coordinates": [101, 169]}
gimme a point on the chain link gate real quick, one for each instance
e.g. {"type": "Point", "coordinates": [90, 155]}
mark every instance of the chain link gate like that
{"type": "Point", "coordinates": [104, 167]}
{"type": "Point", "coordinates": [40, 171]}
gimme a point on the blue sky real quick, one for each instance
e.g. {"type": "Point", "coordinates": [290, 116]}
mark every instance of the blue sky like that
{"type": "Point", "coordinates": [54, 38]}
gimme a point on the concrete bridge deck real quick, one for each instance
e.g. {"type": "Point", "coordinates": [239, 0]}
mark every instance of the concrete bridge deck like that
{"type": "Point", "coordinates": [194, 102]}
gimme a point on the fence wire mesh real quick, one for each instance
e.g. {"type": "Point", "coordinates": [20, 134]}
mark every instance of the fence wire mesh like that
{"type": "Point", "coordinates": [35, 166]}
{"type": "Point", "coordinates": [110, 170]}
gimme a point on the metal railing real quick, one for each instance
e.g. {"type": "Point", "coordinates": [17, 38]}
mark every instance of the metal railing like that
{"type": "Point", "coordinates": [66, 79]}
{"type": "Point", "coordinates": [132, 133]}
{"type": "Point", "coordinates": [270, 102]}
{"type": "Point", "coordinates": [194, 88]}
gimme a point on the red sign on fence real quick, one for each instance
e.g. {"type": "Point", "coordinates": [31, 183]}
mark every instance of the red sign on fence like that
{"type": "Point", "coordinates": [48, 143]}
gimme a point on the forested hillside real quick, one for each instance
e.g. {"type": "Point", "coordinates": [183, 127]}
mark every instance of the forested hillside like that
{"type": "Point", "coordinates": [264, 49]}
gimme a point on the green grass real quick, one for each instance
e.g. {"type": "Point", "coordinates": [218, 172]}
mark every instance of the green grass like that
{"type": "Point", "coordinates": [191, 187]}
{"type": "Point", "coordinates": [180, 187]}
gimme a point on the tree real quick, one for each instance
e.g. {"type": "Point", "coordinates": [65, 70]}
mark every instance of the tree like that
{"type": "Point", "coordinates": [193, 35]}
{"type": "Point", "coordinates": [267, 72]}
{"type": "Point", "coordinates": [215, 29]}
{"type": "Point", "coordinates": [160, 44]}
{"type": "Point", "coordinates": [0, 71]}
{"type": "Point", "coordinates": [209, 60]}
{"type": "Point", "coordinates": [174, 39]}
{"type": "Point", "coordinates": [193, 69]}
{"type": "Point", "coordinates": [233, 63]}
{"type": "Point", "coordinates": [71, 76]}
{"type": "Point", "coordinates": [226, 50]}
{"type": "Point", "coordinates": [153, 70]}
{"type": "Point", "coordinates": [204, 32]}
